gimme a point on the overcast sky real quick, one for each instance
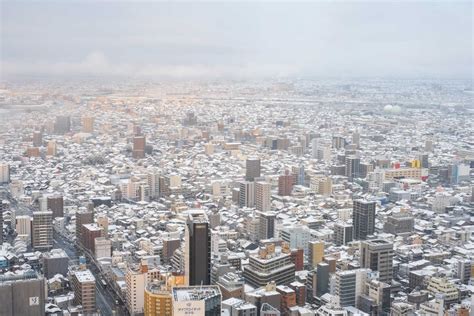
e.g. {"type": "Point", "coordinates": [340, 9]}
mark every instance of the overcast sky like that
{"type": "Point", "coordinates": [238, 40]}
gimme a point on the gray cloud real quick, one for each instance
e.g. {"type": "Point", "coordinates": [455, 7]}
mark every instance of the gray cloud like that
{"type": "Point", "coordinates": [181, 40]}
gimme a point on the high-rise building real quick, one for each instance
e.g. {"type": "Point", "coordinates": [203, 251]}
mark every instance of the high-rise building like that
{"type": "Point", "coordinates": [1, 226]}
{"type": "Point", "coordinates": [247, 194]}
{"type": "Point", "coordinates": [196, 301]}
{"type": "Point", "coordinates": [268, 266]}
{"type": "Point", "coordinates": [83, 283]}
{"type": "Point", "coordinates": [288, 298]}
{"type": "Point", "coordinates": [55, 204]}
{"type": "Point", "coordinates": [322, 278]}
{"type": "Point", "coordinates": [52, 148]}
{"type": "Point", "coordinates": [55, 262]}
{"type": "Point", "coordinates": [464, 270]}
{"type": "Point", "coordinates": [153, 180]}
{"type": "Point", "coordinates": [263, 196]}
{"type": "Point", "coordinates": [399, 223]}
{"type": "Point", "coordinates": [315, 252]}
{"type": "Point", "coordinates": [252, 169]}
{"type": "Point", "coordinates": [343, 233]}
{"type": "Point", "coordinates": [82, 217]}
{"type": "Point", "coordinates": [88, 124]}
{"type": "Point", "coordinates": [139, 144]}
{"type": "Point", "coordinates": [136, 279]}
{"type": "Point", "coordinates": [285, 184]}
{"type": "Point", "coordinates": [346, 287]}
{"type": "Point", "coordinates": [158, 300]}
{"type": "Point", "coordinates": [297, 236]}
{"type": "Point", "coordinates": [42, 230]}
{"type": "Point", "coordinates": [363, 219]}
{"type": "Point", "coordinates": [314, 148]}
{"type": "Point", "coordinates": [22, 294]}
{"type": "Point", "coordinates": [352, 167]}
{"type": "Point", "coordinates": [102, 247]}
{"type": "Point", "coordinates": [377, 255]}
{"type": "Point", "coordinates": [23, 225]}
{"type": "Point", "coordinates": [62, 124]}
{"type": "Point", "coordinates": [4, 173]}
{"type": "Point", "coordinates": [266, 225]}
{"type": "Point", "coordinates": [197, 249]}
{"type": "Point", "coordinates": [89, 233]}
{"type": "Point", "coordinates": [37, 139]}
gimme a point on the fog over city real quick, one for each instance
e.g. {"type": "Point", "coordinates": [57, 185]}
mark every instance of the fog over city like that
{"type": "Point", "coordinates": [408, 39]}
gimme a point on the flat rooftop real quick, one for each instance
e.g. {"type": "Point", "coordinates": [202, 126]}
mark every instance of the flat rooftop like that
{"type": "Point", "coordinates": [194, 293]}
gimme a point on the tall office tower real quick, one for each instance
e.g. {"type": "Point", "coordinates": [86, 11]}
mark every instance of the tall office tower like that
{"type": "Point", "coordinates": [352, 167]}
{"type": "Point", "coordinates": [4, 173]}
{"type": "Point", "coordinates": [268, 266]}
{"type": "Point", "coordinates": [363, 218]}
{"type": "Point", "coordinates": [314, 148]}
{"type": "Point", "coordinates": [83, 283]}
{"type": "Point", "coordinates": [153, 180]}
{"type": "Point", "coordinates": [37, 139]}
{"type": "Point", "coordinates": [55, 204]}
{"type": "Point", "coordinates": [343, 233]}
{"type": "Point", "coordinates": [196, 300]}
{"type": "Point", "coordinates": [322, 278]}
{"type": "Point", "coordinates": [252, 169]}
{"type": "Point", "coordinates": [62, 124]}
{"type": "Point", "coordinates": [88, 124]}
{"type": "Point", "coordinates": [346, 287]}
{"type": "Point", "coordinates": [377, 255]}
{"type": "Point", "coordinates": [464, 270]}
{"type": "Point", "coordinates": [55, 262]}
{"type": "Point", "coordinates": [296, 235]}
{"type": "Point", "coordinates": [197, 249]}
{"type": "Point", "coordinates": [22, 294]}
{"type": "Point", "coordinates": [42, 230]}
{"type": "Point", "coordinates": [315, 253]}
{"type": "Point", "coordinates": [266, 225]}
{"type": "Point", "coordinates": [247, 194]}
{"type": "Point", "coordinates": [139, 144]}
{"type": "Point", "coordinates": [157, 299]}
{"type": "Point", "coordinates": [52, 148]}
{"type": "Point", "coordinates": [356, 139]}
{"type": "Point", "coordinates": [82, 217]}
{"type": "Point", "coordinates": [263, 196]}
{"type": "Point", "coordinates": [285, 184]}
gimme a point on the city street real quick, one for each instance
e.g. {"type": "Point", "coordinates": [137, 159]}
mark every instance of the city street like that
{"type": "Point", "coordinates": [104, 298]}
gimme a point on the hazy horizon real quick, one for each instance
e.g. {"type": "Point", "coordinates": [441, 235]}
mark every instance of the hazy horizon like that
{"type": "Point", "coordinates": [236, 40]}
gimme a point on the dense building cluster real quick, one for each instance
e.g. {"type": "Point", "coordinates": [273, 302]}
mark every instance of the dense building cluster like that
{"type": "Point", "coordinates": [242, 198]}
